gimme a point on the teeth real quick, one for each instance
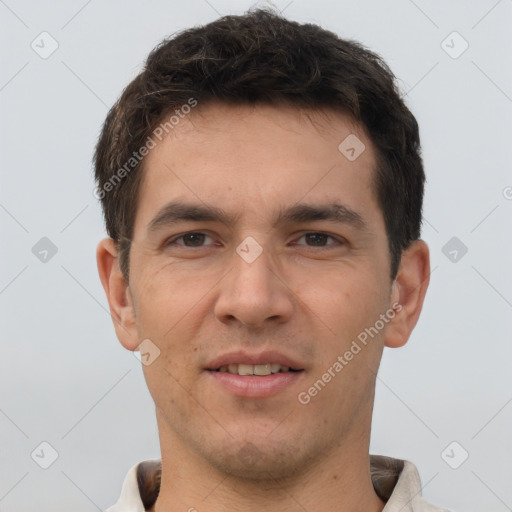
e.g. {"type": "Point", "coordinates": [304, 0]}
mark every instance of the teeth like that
{"type": "Point", "coordinates": [244, 369]}
{"type": "Point", "coordinates": [274, 368]}
{"type": "Point", "coordinates": [261, 369]}
{"type": "Point", "coordinates": [253, 369]}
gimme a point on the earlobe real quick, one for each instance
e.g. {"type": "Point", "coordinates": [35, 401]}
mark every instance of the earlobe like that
{"type": "Point", "coordinates": [118, 294]}
{"type": "Point", "coordinates": [408, 293]}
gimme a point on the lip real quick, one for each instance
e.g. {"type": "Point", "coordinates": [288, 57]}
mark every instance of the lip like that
{"type": "Point", "coordinates": [243, 357]}
{"type": "Point", "coordinates": [255, 386]}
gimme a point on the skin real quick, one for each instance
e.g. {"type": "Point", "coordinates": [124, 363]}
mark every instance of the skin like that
{"type": "Point", "coordinates": [308, 297]}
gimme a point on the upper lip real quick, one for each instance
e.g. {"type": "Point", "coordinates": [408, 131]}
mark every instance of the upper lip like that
{"type": "Point", "coordinates": [242, 357]}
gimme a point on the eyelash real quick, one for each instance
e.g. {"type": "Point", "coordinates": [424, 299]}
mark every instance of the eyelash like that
{"type": "Point", "coordinates": [172, 240]}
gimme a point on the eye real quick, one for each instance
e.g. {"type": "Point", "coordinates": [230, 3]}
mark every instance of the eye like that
{"type": "Point", "coordinates": [190, 239]}
{"type": "Point", "coordinates": [320, 239]}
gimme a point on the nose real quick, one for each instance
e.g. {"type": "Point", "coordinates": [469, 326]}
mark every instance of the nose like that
{"type": "Point", "coordinates": [254, 293]}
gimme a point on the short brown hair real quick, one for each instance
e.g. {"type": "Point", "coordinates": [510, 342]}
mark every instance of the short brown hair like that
{"type": "Point", "coordinates": [261, 57]}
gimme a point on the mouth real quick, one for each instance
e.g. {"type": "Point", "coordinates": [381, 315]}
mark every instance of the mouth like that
{"type": "Point", "coordinates": [255, 370]}
{"type": "Point", "coordinates": [247, 375]}
{"type": "Point", "coordinates": [255, 381]}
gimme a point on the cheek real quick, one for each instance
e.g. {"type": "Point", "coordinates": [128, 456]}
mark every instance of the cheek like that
{"type": "Point", "coordinates": [345, 300]}
{"type": "Point", "coordinates": [174, 303]}
{"type": "Point", "coordinates": [167, 298]}
{"type": "Point", "coordinates": [344, 307]}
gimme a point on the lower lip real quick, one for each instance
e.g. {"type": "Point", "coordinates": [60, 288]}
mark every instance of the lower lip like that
{"type": "Point", "coordinates": [255, 386]}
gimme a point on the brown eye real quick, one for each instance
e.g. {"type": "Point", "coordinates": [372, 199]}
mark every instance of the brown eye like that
{"type": "Point", "coordinates": [196, 239]}
{"type": "Point", "coordinates": [314, 239]}
{"type": "Point", "coordinates": [317, 238]}
{"type": "Point", "coordinates": [192, 239]}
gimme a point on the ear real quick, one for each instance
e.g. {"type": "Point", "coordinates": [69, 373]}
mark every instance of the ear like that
{"type": "Point", "coordinates": [408, 292]}
{"type": "Point", "coordinates": [118, 294]}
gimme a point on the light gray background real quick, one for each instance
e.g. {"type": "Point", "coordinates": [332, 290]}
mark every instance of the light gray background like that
{"type": "Point", "coordinates": [66, 380]}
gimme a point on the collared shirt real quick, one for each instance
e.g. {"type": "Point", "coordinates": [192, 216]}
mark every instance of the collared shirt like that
{"type": "Point", "coordinates": [396, 482]}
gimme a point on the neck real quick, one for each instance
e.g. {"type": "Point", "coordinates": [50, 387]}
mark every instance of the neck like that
{"type": "Point", "coordinates": [338, 480]}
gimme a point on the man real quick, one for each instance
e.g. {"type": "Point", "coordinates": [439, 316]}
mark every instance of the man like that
{"type": "Point", "coordinates": [262, 187]}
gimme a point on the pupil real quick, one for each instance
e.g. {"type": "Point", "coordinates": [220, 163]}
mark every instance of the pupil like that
{"type": "Point", "coordinates": [316, 236]}
{"type": "Point", "coordinates": [192, 235]}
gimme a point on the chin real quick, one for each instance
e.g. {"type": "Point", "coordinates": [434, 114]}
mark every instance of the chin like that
{"type": "Point", "coordinates": [259, 460]}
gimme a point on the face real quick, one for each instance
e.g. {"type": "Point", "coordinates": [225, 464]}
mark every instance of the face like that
{"type": "Point", "coordinates": [284, 261]}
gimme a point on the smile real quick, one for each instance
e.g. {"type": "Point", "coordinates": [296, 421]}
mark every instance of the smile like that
{"type": "Point", "coordinates": [255, 369]}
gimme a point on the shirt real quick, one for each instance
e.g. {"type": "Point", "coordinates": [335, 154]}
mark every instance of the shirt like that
{"type": "Point", "coordinates": [395, 481]}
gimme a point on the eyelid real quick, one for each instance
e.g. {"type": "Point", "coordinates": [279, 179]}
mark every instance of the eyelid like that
{"type": "Point", "coordinates": [341, 240]}
{"type": "Point", "coordinates": [172, 239]}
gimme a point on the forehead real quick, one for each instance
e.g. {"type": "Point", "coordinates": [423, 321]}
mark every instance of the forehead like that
{"type": "Point", "coordinates": [255, 160]}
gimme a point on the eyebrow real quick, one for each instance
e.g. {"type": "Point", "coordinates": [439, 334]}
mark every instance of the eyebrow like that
{"type": "Point", "coordinates": [178, 211]}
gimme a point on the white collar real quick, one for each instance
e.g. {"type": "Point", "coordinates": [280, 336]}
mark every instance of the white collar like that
{"type": "Point", "coordinates": [396, 481]}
